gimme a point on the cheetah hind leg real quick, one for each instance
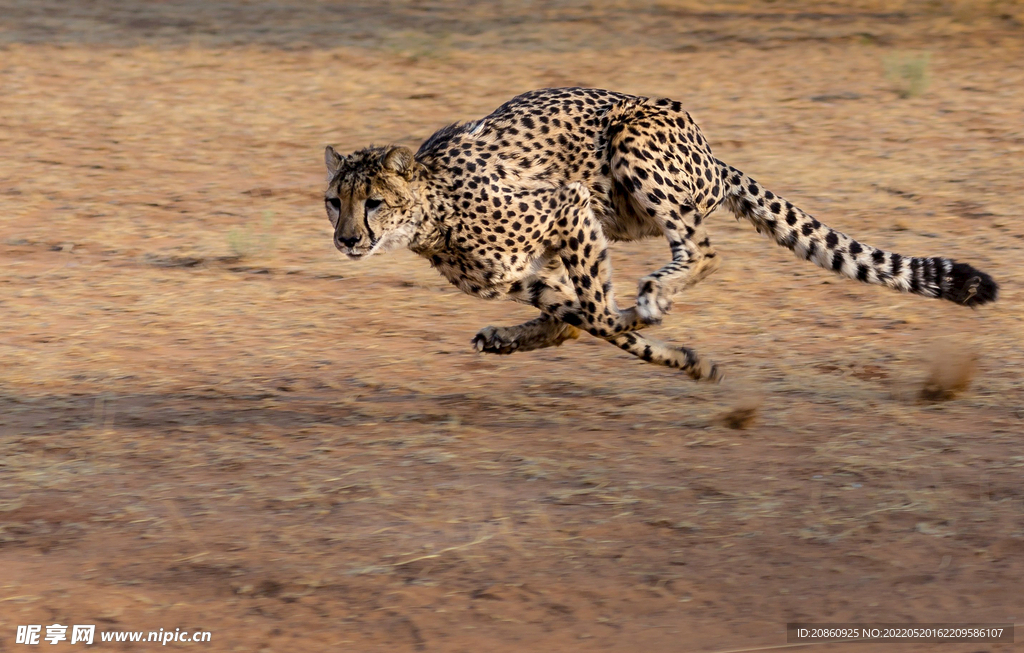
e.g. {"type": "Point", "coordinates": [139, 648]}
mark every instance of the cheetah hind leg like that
{"type": "Point", "coordinates": [544, 331]}
{"type": "Point", "coordinates": [660, 292]}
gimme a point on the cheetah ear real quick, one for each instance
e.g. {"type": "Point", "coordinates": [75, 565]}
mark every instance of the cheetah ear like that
{"type": "Point", "coordinates": [399, 159]}
{"type": "Point", "coordinates": [333, 161]}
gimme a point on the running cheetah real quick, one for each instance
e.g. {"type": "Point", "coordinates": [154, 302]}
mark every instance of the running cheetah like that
{"type": "Point", "coordinates": [524, 203]}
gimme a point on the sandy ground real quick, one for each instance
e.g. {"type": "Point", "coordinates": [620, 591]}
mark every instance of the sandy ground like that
{"type": "Point", "coordinates": [208, 420]}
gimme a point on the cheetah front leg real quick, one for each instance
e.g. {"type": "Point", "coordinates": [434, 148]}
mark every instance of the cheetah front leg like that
{"type": "Point", "coordinates": [582, 248]}
{"type": "Point", "coordinates": [674, 356]}
{"type": "Point", "coordinates": [544, 331]}
{"type": "Point", "coordinates": [551, 292]}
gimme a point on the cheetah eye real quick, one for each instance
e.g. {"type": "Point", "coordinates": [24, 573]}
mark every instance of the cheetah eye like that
{"type": "Point", "coordinates": [334, 202]}
{"type": "Point", "coordinates": [371, 203]}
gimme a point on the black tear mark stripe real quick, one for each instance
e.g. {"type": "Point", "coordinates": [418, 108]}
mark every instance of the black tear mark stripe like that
{"type": "Point", "coordinates": [366, 221]}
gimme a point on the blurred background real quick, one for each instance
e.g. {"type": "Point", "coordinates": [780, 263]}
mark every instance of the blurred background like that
{"type": "Point", "coordinates": [209, 420]}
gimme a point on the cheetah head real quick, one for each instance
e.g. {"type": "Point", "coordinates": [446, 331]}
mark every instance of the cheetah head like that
{"type": "Point", "coordinates": [370, 199]}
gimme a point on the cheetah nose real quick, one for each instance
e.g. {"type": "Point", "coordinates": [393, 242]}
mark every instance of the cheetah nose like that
{"type": "Point", "coordinates": [345, 242]}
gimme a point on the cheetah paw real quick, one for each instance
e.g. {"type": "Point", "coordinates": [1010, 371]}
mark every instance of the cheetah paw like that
{"type": "Point", "coordinates": [494, 340]}
{"type": "Point", "coordinates": [651, 306]}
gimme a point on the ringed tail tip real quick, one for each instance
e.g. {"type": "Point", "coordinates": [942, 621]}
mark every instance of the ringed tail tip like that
{"type": "Point", "coordinates": [968, 286]}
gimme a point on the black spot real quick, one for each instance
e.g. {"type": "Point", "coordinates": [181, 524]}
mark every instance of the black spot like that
{"type": "Point", "coordinates": [831, 240]}
{"type": "Point", "coordinates": [789, 240]}
{"type": "Point", "coordinates": [837, 262]}
{"type": "Point", "coordinates": [812, 249]}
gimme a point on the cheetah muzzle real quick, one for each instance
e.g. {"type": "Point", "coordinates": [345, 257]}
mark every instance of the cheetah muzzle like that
{"type": "Point", "coordinates": [524, 203]}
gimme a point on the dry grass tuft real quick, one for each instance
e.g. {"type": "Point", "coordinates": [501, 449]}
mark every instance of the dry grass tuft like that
{"type": "Point", "coordinates": [951, 373]}
{"type": "Point", "coordinates": [744, 409]}
{"type": "Point", "coordinates": [909, 73]}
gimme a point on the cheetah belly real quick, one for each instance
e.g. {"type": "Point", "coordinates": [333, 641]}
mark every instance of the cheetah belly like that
{"type": "Point", "coordinates": [486, 279]}
{"type": "Point", "coordinates": [619, 220]}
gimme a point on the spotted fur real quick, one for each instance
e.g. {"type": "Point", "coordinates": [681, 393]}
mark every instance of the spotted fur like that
{"type": "Point", "coordinates": [524, 203]}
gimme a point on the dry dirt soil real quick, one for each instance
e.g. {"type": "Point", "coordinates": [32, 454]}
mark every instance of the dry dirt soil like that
{"type": "Point", "coordinates": [209, 420]}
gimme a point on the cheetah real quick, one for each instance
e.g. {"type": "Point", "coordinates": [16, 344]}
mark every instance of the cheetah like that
{"type": "Point", "coordinates": [523, 205]}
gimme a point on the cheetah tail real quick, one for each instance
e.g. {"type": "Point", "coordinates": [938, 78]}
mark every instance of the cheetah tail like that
{"type": "Point", "coordinates": [829, 249]}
